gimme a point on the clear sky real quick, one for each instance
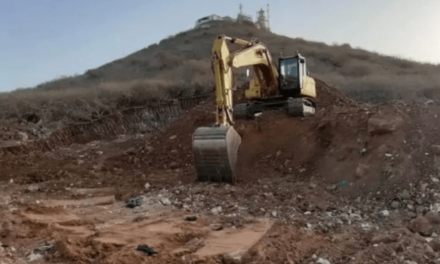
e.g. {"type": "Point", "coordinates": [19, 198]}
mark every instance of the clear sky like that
{"type": "Point", "coordinates": [44, 39]}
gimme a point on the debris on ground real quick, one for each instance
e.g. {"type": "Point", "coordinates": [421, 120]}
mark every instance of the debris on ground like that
{"type": "Point", "coordinates": [147, 250]}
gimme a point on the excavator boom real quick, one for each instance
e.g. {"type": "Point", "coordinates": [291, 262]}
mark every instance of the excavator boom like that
{"type": "Point", "coordinates": [215, 148]}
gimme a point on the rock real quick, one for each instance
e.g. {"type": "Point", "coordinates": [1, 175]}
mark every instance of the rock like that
{"type": "Point", "coordinates": [405, 195]}
{"type": "Point", "coordinates": [133, 202]}
{"type": "Point", "coordinates": [33, 188]}
{"type": "Point", "coordinates": [274, 214]}
{"type": "Point", "coordinates": [216, 210]}
{"type": "Point", "coordinates": [98, 167]}
{"type": "Point", "coordinates": [165, 201]}
{"type": "Point", "coordinates": [332, 187]}
{"type": "Point", "coordinates": [385, 213]}
{"type": "Point", "coordinates": [395, 205]}
{"type": "Point", "coordinates": [147, 186]}
{"type": "Point", "coordinates": [149, 148]}
{"type": "Point", "coordinates": [384, 124]}
{"type": "Point", "coordinates": [383, 239]}
{"type": "Point", "coordinates": [361, 170]}
{"type": "Point", "coordinates": [173, 165]}
{"type": "Point", "coordinates": [216, 227]}
{"type": "Point", "coordinates": [355, 217]}
{"type": "Point", "coordinates": [191, 218]}
{"type": "Point", "coordinates": [420, 209]}
{"type": "Point", "coordinates": [322, 261]}
{"type": "Point", "coordinates": [433, 217]}
{"type": "Point", "coordinates": [423, 187]}
{"type": "Point", "coordinates": [435, 150]}
{"type": "Point", "coordinates": [237, 257]}
{"type": "Point", "coordinates": [195, 244]}
{"type": "Point", "coordinates": [149, 251]}
{"type": "Point", "coordinates": [278, 153]}
{"type": "Point", "coordinates": [34, 257]}
{"type": "Point", "coordinates": [421, 225]}
{"type": "Point", "coordinates": [80, 162]}
{"type": "Point", "coordinates": [435, 207]}
{"type": "Point", "coordinates": [435, 244]}
{"type": "Point", "coordinates": [173, 137]}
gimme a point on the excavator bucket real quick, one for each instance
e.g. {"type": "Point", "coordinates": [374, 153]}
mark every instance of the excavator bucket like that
{"type": "Point", "coordinates": [215, 153]}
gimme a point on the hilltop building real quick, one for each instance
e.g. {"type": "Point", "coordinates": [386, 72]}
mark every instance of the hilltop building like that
{"type": "Point", "coordinates": [262, 21]}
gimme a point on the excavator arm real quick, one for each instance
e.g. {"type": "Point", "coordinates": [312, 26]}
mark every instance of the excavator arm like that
{"type": "Point", "coordinates": [251, 54]}
{"type": "Point", "coordinates": [215, 148]}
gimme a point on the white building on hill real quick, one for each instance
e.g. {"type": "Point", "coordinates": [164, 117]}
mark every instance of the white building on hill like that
{"type": "Point", "coordinates": [261, 23]}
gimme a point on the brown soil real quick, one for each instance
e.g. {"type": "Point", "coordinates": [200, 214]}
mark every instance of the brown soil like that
{"type": "Point", "coordinates": [309, 189]}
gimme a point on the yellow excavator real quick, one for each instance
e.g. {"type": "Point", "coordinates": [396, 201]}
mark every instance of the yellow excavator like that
{"type": "Point", "coordinates": [285, 86]}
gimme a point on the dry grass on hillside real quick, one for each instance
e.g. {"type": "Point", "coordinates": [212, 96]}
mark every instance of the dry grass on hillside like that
{"type": "Point", "coordinates": [179, 66]}
{"type": "Point", "coordinates": [53, 108]}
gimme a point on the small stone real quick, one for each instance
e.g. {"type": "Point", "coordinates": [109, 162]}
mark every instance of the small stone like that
{"type": "Point", "coordinates": [422, 226]}
{"type": "Point", "coordinates": [216, 227]}
{"type": "Point", "coordinates": [165, 201]}
{"type": "Point", "coordinates": [356, 217]}
{"type": "Point", "coordinates": [435, 244]}
{"type": "Point", "coordinates": [307, 213]}
{"type": "Point", "coordinates": [433, 217]}
{"type": "Point", "coordinates": [149, 148]}
{"type": "Point", "coordinates": [278, 153]}
{"type": "Point", "coordinates": [435, 150]}
{"type": "Point", "coordinates": [173, 137]}
{"type": "Point", "coordinates": [98, 167]}
{"type": "Point", "coordinates": [191, 218]}
{"type": "Point", "coordinates": [384, 124]}
{"type": "Point", "coordinates": [11, 181]}
{"type": "Point", "coordinates": [312, 185]}
{"type": "Point", "coordinates": [361, 170]}
{"type": "Point", "coordinates": [34, 257]}
{"type": "Point", "coordinates": [322, 261]}
{"type": "Point", "coordinates": [33, 188]}
{"type": "Point", "coordinates": [274, 214]}
{"type": "Point", "coordinates": [80, 162]}
{"type": "Point", "coordinates": [383, 239]}
{"type": "Point", "coordinates": [385, 213]}
{"type": "Point", "coordinates": [216, 210]}
{"type": "Point", "coordinates": [423, 187]}
{"type": "Point", "coordinates": [332, 187]}
{"type": "Point", "coordinates": [405, 195]}
{"type": "Point", "coordinates": [395, 205]}
{"type": "Point", "coordinates": [195, 244]}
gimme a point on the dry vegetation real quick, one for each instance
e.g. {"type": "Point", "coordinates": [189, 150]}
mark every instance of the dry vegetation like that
{"type": "Point", "coordinates": [179, 66]}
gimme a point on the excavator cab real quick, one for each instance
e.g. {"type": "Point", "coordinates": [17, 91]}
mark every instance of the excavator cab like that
{"type": "Point", "coordinates": [292, 73]}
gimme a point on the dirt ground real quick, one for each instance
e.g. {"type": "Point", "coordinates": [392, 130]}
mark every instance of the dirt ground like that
{"type": "Point", "coordinates": [354, 184]}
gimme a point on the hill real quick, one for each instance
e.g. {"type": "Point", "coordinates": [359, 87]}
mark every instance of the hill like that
{"type": "Point", "coordinates": [179, 66]}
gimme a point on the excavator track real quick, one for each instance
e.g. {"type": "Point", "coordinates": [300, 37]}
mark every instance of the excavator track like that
{"type": "Point", "coordinates": [241, 111]}
{"type": "Point", "coordinates": [215, 153]}
{"type": "Point", "coordinates": [300, 107]}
